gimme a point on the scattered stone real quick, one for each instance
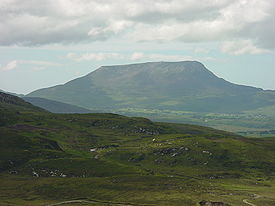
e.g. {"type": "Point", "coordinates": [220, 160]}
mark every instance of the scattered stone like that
{"type": "Point", "coordinates": [209, 203]}
{"type": "Point", "coordinates": [175, 154]}
{"type": "Point", "coordinates": [13, 172]}
{"type": "Point", "coordinates": [35, 174]}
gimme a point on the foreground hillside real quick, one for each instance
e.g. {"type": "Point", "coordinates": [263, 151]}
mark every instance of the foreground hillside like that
{"type": "Point", "coordinates": [110, 159]}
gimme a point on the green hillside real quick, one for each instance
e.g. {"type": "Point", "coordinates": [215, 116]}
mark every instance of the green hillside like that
{"type": "Point", "coordinates": [54, 106]}
{"type": "Point", "coordinates": [109, 159]}
{"type": "Point", "coordinates": [11, 103]}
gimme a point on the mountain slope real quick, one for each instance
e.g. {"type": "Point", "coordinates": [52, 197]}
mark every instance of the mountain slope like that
{"type": "Point", "coordinates": [184, 85]}
{"type": "Point", "coordinates": [54, 106]}
{"type": "Point", "coordinates": [16, 103]}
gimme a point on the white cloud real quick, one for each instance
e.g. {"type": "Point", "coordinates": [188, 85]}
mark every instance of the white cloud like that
{"type": "Point", "coordinates": [136, 56]}
{"type": "Point", "coordinates": [159, 57]}
{"type": "Point", "coordinates": [94, 56]}
{"type": "Point", "coordinates": [9, 66]}
{"type": "Point", "coordinates": [239, 47]}
{"type": "Point", "coordinates": [42, 63]}
{"type": "Point", "coordinates": [15, 63]}
{"type": "Point", "coordinates": [139, 56]}
{"type": "Point", "coordinates": [39, 22]}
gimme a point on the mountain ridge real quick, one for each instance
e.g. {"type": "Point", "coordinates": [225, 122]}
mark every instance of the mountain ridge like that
{"type": "Point", "coordinates": [184, 85]}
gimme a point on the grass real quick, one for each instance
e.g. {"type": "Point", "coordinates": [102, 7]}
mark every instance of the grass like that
{"type": "Point", "coordinates": [151, 190]}
{"type": "Point", "coordinates": [45, 158]}
{"type": "Point", "coordinates": [257, 123]}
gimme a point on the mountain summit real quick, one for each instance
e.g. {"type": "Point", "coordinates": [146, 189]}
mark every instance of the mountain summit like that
{"type": "Point", "coordinates": [185, 85]}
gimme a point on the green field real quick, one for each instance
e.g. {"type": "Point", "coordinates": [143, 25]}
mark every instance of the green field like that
{"type": "Point", "coordinates": [109, 159]}
{"type": "Point", "coordinates": [256, 123]}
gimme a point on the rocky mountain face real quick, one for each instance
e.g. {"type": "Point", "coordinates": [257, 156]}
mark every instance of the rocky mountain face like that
{"type": "Point", "coordinates": [186, 85]}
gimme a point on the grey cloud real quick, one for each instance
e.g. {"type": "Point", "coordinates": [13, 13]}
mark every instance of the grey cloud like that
{"type": "Point", "coordinates": [38, 22]}
{"type": "Point", "coordinates": [183, 11]}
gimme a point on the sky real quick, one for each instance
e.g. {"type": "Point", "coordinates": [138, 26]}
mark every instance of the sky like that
{"type": "Point", "coordinates": [48, 42]}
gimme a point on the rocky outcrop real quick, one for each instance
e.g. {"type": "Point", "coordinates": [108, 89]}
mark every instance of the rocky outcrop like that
{"type": "Point", "coordinates": [209, 203]}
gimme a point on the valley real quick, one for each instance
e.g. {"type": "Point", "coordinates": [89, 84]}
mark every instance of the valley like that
{"type": "Point", "coordinates": [248, 123]}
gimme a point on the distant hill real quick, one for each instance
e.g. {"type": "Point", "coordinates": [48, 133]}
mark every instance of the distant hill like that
{"type": "Point", "coordinates": [15, 103]}
{"type": "Point", "coordinates": [12, 108]}
{"type": "Point", "coordinates": [55, 106]}
{"type": "Point", "coordinates": [11, 93]}
{"type": "Point", "coordinates": [185, 85]}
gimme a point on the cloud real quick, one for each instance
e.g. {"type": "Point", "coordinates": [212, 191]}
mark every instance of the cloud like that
{"type": "Point", "coordinates": [42, 63]}
{"type": "Point", "coordinates": [238, 47]}
{"type": "Point", "coordinates": [15, 63]}
{"type": "Point", "coordinates": [159, 57]}
{"type": "Point", "coordinates": [135, 56]}
{"type": "Point", "coordinates": [139, 56]}
{"type": "Point", "coordinates": [9, 66]}
{"type": "Point", "coordinates": [40, 22]}
{"type": "Point", "coordinates": [94, 56]}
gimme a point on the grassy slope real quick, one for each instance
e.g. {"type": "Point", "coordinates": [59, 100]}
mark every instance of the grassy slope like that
{"type": "Point", "coordinates": [136, 161]}
{"type": "Point", "coordinates": [54, 106]}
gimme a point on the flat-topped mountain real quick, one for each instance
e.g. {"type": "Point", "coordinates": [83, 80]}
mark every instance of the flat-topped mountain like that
{"type": "Point", "coordinates": [186, 85]}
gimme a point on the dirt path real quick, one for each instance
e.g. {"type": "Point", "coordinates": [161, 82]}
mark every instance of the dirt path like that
{"type": "Point", "coordinates": [92, 202]}
{"type": "Point", "coordinates": [71, 201]}
{"type": "Point", "coordinates": [246, 202]}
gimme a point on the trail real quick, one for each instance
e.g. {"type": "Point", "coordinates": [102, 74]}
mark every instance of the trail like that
{"type": "Point", "coordinates": [92, 202]}
{"type": "Point", "coordinates": [246, 202]}
{"type": "Point", "coordinates": [71, 201]}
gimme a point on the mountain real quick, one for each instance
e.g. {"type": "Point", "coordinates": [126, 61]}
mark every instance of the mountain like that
{"type": "Point", "coordinates": [110, 159]}
{"type": "Point", "coordinates": [185, 85]}
{"type": "Point", "coordinates": [55, 106]}
{"type": "Point", "coordinates": [14, 94]}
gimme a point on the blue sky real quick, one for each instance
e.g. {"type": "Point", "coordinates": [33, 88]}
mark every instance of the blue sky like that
{"type": "Point", "coordinates": [44, 43]}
